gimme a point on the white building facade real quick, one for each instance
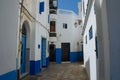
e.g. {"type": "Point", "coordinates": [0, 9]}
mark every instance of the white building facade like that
{"type": "Point", "coordinates": [25, 37]}
{"type": "Point", "coordinates": [108, 30]}
{"type": "Point", "coordinates": [101, 50]}
{"type": "Point", "coordinates": [68, 36]}
{"type": "Point", "coordinates": [89, 37]}
{"type": "Point", "coordinates": [9, 13]}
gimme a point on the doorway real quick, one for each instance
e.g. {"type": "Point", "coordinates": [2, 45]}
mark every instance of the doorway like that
{"type": "Point", "coordinates": [52, 49]}
{"type": "Point", "coordinates": [65, 51]}
{"type": "Point", "coordinates": [43, 53]}
{"type": "Point", "coordinates": [25, 50]}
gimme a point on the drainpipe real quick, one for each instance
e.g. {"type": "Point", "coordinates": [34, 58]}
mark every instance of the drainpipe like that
{"type": "Point", "coordinates": [20, 43]}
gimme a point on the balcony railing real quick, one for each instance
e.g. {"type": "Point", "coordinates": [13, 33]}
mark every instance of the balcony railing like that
{"type": "Point", "coordinates": [52, 34]}
{"type": "Point", "coordinates": [53, 11]}
{"type": "Point", "coordinates": [53, 4]}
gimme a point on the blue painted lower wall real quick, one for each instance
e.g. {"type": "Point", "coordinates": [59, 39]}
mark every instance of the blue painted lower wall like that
{"type": "Point", "coordinates": [47, 61]}
{"type": "Point", "coordinates": [76, 56]}
{"type": "Point", "coordinates": [12, 75]}
{"type": "Point", "coordinates": [58, 55]}
{"type": "Point", "coordinates": [35, 67]}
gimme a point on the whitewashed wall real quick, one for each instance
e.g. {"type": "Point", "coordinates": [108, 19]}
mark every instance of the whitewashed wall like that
{"type": "Point", "coordinates": [42, 28]}
{"type": "Point", "coordinates": [30, 6]}
{"type": "Point", "coordinates": [90, 47]}
{"type": "Point", "coordinates": [9, 12]}
{"type": "Point", "coordinates": [71, 34]}
{"type": "Point", "coordinates": [108, 22]}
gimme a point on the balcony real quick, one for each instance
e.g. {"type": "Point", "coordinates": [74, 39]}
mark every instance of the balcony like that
{"type": "Point", "coordinates": [52, 37]}
{"type": "Point", "coordinates": [53, 11]}
{"type": "Point", "coordinates": [53, 4]}
{"type": "Point", "coordinates": [52, 34]}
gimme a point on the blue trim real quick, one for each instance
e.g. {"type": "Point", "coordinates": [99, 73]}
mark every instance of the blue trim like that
{"type": "Point", "coordinates": [41, 7]}
{"type": "Point", "coordinates": [58, 55]}
{"type": "Point", "coordinates": [12, 75]}
{"type": "Point", "coordinates": [76, 56]}
{"type": "Point", "coordinates": [35, 67]}
{"type": "Point", "coordinates": [23, 54]}
{"type": "Point", "coordinates": [47, 61]}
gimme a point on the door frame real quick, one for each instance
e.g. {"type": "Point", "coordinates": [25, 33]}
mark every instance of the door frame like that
{"type": "Point", "coordinates": [54, 52]}
{"type": "Point", "coordinates": [26, 33]}
{"type": "Point", "coordinates": [43, 56]}
{"type": "Point", "coordinates": [62, 51]}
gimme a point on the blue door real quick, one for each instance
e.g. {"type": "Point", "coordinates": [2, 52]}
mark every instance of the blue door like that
{"type": "Point", "coordinates": [43, 52]}
{"type": "Point", "coordinates": [23, 54]}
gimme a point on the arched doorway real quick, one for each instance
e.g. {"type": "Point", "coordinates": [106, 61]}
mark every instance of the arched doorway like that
{"type": "Point", "coordinates": [25, 49]}
{"type": "Point", "coordinates": [52, 49]}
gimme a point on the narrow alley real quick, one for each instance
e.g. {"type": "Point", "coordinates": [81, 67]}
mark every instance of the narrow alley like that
{"type": "Point", "coordinates": [47, 39]}
{"type": "Point", "coordinates": [64, 71]}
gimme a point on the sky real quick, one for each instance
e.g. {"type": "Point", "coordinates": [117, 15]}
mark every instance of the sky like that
{"type": "Point", "coordinates": [69, 5]}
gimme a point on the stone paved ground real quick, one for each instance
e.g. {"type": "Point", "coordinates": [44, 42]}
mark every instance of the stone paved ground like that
{"type": "Point", "coordinates": [64, 71]}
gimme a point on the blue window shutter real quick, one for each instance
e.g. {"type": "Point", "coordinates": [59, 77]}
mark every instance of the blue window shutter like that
{"type": "Point", "coordinates": [41, 7]}
{"type": "Point", "coordinates": [48, 18]}
{"type": "Point", "coordinates": [90, 33]}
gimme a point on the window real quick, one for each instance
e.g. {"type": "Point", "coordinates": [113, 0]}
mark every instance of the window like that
{"type": "Point", "coordinates": [90, 33]}
{"type": "Point", "coordinates": [52, 26]}
{"type": "Point", "coordinates": [41, 7]}
{"type": "Point", "coordinates": [86, 39]}
{"type": "Point", "coordinates": [64, 25]}
{"type": "Point", "coordinates": [55, 3]}
{"type": "Point", "coordinates": [94, 8]}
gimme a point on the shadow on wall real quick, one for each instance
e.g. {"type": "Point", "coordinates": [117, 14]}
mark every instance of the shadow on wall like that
{"type": "Point", "coordinates": [87, 65]}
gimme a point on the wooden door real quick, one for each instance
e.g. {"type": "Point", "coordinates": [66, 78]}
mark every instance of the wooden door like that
{"type": "Point", "coordinates": [52, 52]}
{"type": "Point", "coordinates": [65, 51]}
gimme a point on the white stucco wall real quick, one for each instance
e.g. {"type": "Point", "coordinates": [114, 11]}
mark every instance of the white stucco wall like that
{"type": "Point", "coordinates": [30, 5]}
{"type": "Point", "coordinates": [108, 27]}
{"type": "Point", "coordinates": [114, 31]}
{"type": "Point", "coordinates": [9, 15]}
{"type": "Point", "coordinates": [42, 28]}
{"type": "Point", "coordinates": [38, 26]}
{"type": "Point", "coordinates": [90, 47]}
{"type": "Point", "coordinates": [72, 34]}
{"type": "Point", "coordinates": [9, 31]}
{"type": "Point", "coordinates": [43, 17]}
{"type": "Point", "coordinates": [27, 15]}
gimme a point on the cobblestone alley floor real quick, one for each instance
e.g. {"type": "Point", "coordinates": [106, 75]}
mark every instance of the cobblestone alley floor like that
{"type": "Point", "coordinates": [64, 71]}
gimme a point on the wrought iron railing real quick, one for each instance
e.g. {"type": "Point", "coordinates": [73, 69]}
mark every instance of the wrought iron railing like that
{"type": "Point", "coordinates": [52, 34]}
